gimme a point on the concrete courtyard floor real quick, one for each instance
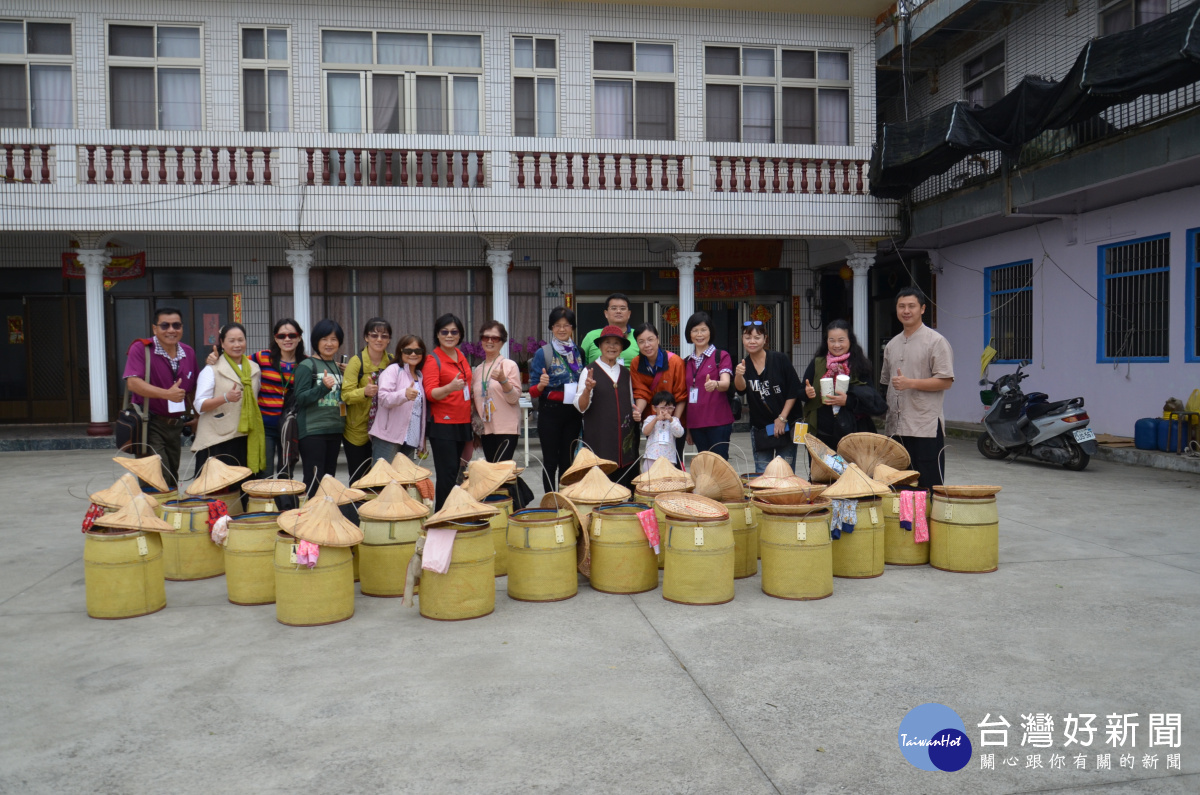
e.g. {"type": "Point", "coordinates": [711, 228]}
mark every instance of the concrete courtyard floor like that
{"type": "Point", "coordinates": [1093, 610]}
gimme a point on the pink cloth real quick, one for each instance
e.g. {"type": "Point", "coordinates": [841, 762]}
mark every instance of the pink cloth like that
{"type": "Point", "coordinates": [439, 544]}
{"type": "Point", "coordinates": [837, 365]}
{"type": "Point", "coordinates": [906, 510]}
{"type": "Point", "coordinates": [307, 554]}
{"type": "Point", "coordinates": [920, 526]}
{"type": "Point", "coordinates": [650, 527]}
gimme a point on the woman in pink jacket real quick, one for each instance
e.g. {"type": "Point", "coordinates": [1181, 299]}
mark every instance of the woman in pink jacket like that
{"type": "Point", "coordinates": [496, 388]}
{"type": "Point", "coordinates": [399, 423]}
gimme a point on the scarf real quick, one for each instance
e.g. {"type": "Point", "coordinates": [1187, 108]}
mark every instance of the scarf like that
{"type": "Point", "coordinates": [567, 351]}
{"type": "Point", "coordinates": [250, 422]}
{"type": "Point", "coordinates": [837, 365]}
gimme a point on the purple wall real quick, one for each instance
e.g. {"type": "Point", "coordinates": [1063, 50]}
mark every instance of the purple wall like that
{"type": "Point", "coordinates": [1064, 318]}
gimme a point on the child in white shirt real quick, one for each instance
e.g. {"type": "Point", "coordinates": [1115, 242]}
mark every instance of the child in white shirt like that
{"type": "Point", "coordinates": [661, 428]}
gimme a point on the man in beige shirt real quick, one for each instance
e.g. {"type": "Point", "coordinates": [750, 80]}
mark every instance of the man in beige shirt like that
{"type": "Point", "coordinates": [918, 367]}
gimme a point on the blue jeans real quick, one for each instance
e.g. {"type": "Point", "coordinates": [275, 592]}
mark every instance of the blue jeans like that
{"type": "Point", "coordinates": [274, 464]}
{"type": "Point", "coordinates": [761, 459]}
{"type": "Point", "coordinates": [714, 439]}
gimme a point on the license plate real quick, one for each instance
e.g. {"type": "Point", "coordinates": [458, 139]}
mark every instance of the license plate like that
{"type": "Point", "coordinates": [1084, 435]}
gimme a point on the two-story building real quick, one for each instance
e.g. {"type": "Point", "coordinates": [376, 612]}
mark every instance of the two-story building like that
{"type": "Point", "coordinates": [252, 161]}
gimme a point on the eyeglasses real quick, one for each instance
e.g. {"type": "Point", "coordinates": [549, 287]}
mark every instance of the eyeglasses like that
{"type": "Point", "coordinates": [618, 308]}
{"type": "Point", "coordinates": [176, 326]}
{"type": "Point", "coordinates": [490, 338]}
{"type": "Point", "coordinates": [377, 336]}
{"type": "Point", "coordinates": [448, 332]}
{"type": "Point", "coordinates": [750, 323]}
{"type": "Point", "coordinates": [287, 336]}
{"type": "Point", "coordinates": [412, 352]}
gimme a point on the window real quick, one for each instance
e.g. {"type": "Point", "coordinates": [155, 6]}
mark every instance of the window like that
{"type": "Point", "coordinates": [1192, 298]}
{"type": "Point", "coordinates": [1008, 307]}
{"type": "Point", "coordinates": [1119, 15]}
{"type": "Point", "coordinates": [35, 74]}
{"type": "Point", "coordinates": [154, 77]}
{"type": "Point", "coordinates": [1134, 321]}
{"type": "Point", "coordinates": [634, 90]}
{"type": "Point", "coordinates": [380, 82]}
{"type": "Point", "coordinates": [774, 95]}
{"type": "Point", "coordinates": [265, 105]}
{"type": "Point", "coordinates": [535, 80]}
{"type": "Point", "coordinates": [983, 78]}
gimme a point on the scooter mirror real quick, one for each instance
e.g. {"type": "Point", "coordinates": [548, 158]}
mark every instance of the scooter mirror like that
{"type": "Point", "coordinates": [1025, 362]}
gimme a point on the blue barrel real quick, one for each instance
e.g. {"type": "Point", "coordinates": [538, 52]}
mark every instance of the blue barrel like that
{"type": "Point", "coordinates": [1145, 433]}
{"type": "Point", "coordinates": [1168, 436]}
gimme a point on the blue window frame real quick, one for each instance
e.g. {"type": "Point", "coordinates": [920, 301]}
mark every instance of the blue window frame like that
{"type": "Point", "coordinates": [1192, 297]}
{"type": "Point", "coordinates": [1133, 319]}
{"type": "Point", "coordinates": [1008, 310]}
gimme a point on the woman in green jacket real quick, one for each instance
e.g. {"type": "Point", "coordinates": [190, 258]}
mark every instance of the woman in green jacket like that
{"type": "Point", "coordinates": [360, 385]}
{"type": "Point", "coordinates": [319, 407]}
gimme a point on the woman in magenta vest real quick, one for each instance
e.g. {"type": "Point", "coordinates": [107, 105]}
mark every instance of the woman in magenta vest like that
{"type": "Point", "coordinates": [708, 374]}
{"type": "Point", "coordinates": [604, 395]}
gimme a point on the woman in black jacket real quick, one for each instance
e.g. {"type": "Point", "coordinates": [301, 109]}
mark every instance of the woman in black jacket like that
{"type": "Point", "coordinates": [835, 415]}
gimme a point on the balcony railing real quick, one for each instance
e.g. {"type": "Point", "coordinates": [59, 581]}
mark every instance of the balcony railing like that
{"type": "Point", "coordinates": [394, 168]}
{"type": "Point", "coordinates": [176, 165]}
{"type": "Point", "coordinates": [789, 175]}
{"type": "Point", "coordinates": [29, 164]}
{"type": "Point", "coordinates": [602, 171]}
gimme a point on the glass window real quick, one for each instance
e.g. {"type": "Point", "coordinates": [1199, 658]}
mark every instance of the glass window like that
{"type": "Point", "coordinates": [721, 61]}
{"type": "Point", "coordinates": [983, 77]}
{"type": "Point", "coordinates": [535, 86]}
{"type": "Point", "coordinates": [1008, 322]}
{"type": "Point", "coordinates": [642, 105]}
{"type": "Point", "coordinates": [36, 78]}
{"type": "Point", "coordinates": [265, 98]}
{"type": "Point", "coordinates": [758, 63]}
{"type": "Point", "coordinates": [155, 77]}
{"type": "Point", "coordinates": [1134, 324]}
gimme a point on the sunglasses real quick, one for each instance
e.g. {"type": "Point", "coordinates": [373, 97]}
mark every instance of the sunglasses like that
{"type": "Point", "coordinates": [412, 352]}
{"type": "Point", "coordinates": [448, 332]}
{"type": "Point", "coordinates": [490, 338]}
{"type": "Point", "coordinates": [287, 336]}
{"type": "Point", "coordinates": [177, 326]}
{"type": "Point", "coordinates": [377, 336]}
{"type": "Point", "coordinates": [750, 323]}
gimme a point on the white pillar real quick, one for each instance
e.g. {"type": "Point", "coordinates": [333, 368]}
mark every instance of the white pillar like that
{"type": "Point", "coordinates": [498, 259]}
{"type": "Point", "coordinates": [685, 263]}
{"type": "Point", "coordinates": [94, 261]}
{"type": "Point", "coordinates": [301, 260]}
{"type": "Point", "coordinates": [861, 265]}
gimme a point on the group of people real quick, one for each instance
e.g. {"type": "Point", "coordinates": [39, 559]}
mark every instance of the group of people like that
{"type": "Point", "coordinates": [609, 391]}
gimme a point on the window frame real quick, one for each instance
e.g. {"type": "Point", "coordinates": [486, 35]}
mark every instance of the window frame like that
{"type": "Point", "coordinates": [155, 63]}
{"type": "Point", "coordinates": [778, 82]}
{"type": "Point", "coordinates": [634, 77]}
{"type": "Point", "coordinates": [1191, 310]}
{"type": "Point", "coordinates": [28, 59]}
{"type": "Point", "coordinates": [989, 294]}
{"type": "Point", "coordinates": [1102, 297]}
{"type": "Point", "coordinates": [1104, 9]}
{"type": "Point", "coordinates": [978, 80]}
{"type": "Point", "coordinates": [267, 65]}
{"type": "Point", "coordinates": [535, 72]}
{"type": "Point", "coordinates": [408, 74]}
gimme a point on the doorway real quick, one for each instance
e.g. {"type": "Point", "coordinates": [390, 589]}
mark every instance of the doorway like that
{"type": "Point", "coordinates": [44, 360]}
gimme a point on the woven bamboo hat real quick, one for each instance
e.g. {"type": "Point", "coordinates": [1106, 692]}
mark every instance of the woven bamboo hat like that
{"type": "Point", "coordinates": [967, 491]}
{"type": "Point", "coordinates": [818, 470]}
{"type": "Point", "coordinates": [119, 494]}
{"type": "Point", "coordinates": [790, 495]}
{"type": "Point", "coordinates": [332, 487]}
{"type": "Point", "coordinates": [690, 506]}
{"type": "Point", "coordinates": [137, 514]}
{"type": "Point", "coordinates": [217, 476]}
{"type": "Point", "coordinates": [393, 505]}
{"type": "Point", "coordinates": [585, 459]}
{"type": "Point", "coordinates": [791, 509]}
{"type": "Point", "coordinates": [661, 468]}
{"type": "Point", "coordinates": [272, 488]}
{"type": "Point", "coordinates": [461, 507]}
{"type": "Point", "coordinates": [716, 479]}
{"type": "Point", "coordinates": [148, 469]}
{"type": "Point", "coordinates": [893, 477]}
{"type": "Point", "coordinates": [595, 487]}
{"type": "Point", "coordinates": [484, 478]}
{"type": "Point", "coordinates": [665, 485]}
{"type": "Point", "coordinates": [774, 476]}
{"type": "Point", "coordinates": [869, 450]}
{"type": "Point", "coordinates": [321, 523]}
{"type": "Point", "coordinates": [855, 484]}
{"type": "Point", "coordinates": [406, 471]}
{"type": "Point", "coordinates": [379, 475]}
{"type": "Point", "coordinates": [583, 549]}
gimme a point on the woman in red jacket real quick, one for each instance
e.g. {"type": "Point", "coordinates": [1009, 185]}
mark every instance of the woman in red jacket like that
{"type": "Point", "coordinates": [447, 381]}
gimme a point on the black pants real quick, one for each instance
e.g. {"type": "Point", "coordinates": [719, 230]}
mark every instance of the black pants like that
{"type": "Point", "coordinates": [625, 476]}
{"type": "Point", "coordinates": [231, 451]}
{"type": "Point", "coordinates": [499, 446]}
{"type": "Point", "coordinates": [713, 439]}
{"type": "Point", "coordinates": [558, 428]}
{"type": "Point", "coordinates": [446, 456]}
{"type": "Point", "coordinates": [318, 457]}
{"type": "Point", "coordinates": [165, 439]}
{"type": "Point", "coordinates": [358, 458]}
{"type": "Point", "coordinates": [928, 456]}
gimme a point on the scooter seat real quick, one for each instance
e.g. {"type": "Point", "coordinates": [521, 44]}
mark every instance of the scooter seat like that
{"type": "Point", "coordinates": [1042, 409]}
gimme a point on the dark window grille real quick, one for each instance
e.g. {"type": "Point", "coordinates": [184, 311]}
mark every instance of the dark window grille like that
{"type": "Point", "coordinates": [1135, 287]}
{"type": "Point", "coordinates": [1009, 322]}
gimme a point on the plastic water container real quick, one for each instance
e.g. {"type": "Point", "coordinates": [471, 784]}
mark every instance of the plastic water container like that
{"type": "Point", "coordinates": [1168, 436]}
{"type": "Point", "coordinates": [1145, 433]}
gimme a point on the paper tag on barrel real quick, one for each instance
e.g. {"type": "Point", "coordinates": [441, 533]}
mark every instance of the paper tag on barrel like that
{"type": "Point", "coordinates": [749, 515]}
{"type": "Point", "coordinates": [949, 511]}
{"type": "Point", "coordinates": [177, 520]}
{"type": "Point", "coordinates": [596, 525]}
{"type": "Point", "coordinates": [874, 516]}
{"type": "Point", "coordinates": [801, 531]}
{"type": "Point", "coordinates": [142, 548]}
{"type": "Point", "coordinates": [699, 536]}
{"type": "Point", "coordinates": [292, 555]}
{"type": "Point", "coordinates": [558, 534]}
{"type": "Point", "coordinates": [895, 505]}
{"type": "Point", "coordinates": [270, 507]}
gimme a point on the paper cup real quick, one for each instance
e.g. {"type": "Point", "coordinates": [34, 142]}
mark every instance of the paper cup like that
{"type": "Point", "coordinates": [843, 384]}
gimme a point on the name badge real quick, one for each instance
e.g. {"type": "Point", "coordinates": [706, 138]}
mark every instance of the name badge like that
{"type": "Point", "coordinates": [693, 395]}
{"type": "Point", "coordinates": [467, 393]}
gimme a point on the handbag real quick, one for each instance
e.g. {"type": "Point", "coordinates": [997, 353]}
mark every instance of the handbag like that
{"type": "Point", "coordinates": [130, 429]}
{"type": "Point", "coordinates": [773, 442]}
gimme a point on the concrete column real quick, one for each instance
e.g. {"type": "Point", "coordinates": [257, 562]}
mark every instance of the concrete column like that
{"type": "Point", "coordinates": [94, 261]}
{"type": "Point", "coordinates": [861, 265]}
{"type": "Point", "coordinates": [301, 260]}
{"type": "Point", "coordinates": [498, 260]}
{"type": "Point", "coordinates": [686, 262]}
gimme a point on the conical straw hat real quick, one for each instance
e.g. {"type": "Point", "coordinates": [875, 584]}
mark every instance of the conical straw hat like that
{"type": "Point", "coordinates": [595, 487]}
{"type": "Point", "coordinates": [379, 475]}
{"type": "Point", "coordinates": [790, 495]}
{"type": "Point", "coordinates": [715, 478]}
{"type": "Point", "coordinates": [393, 505]}
{"type": "Point", "coordinates": [322, 523]}
{"type": "Point", "coordinates": [119, 494]}
{"type": "Point", "coordinates": [148, 469]}
{"type": "Point", "coordinates": [217, 476]}
{"type": "Point", "coordinates": [854, 484]}
{"type": "Point", "coordinates": [583, 548]}
{"type": "Point", "coordinates": [484, 478]}
{"type": "Point", "coordinates": [776, 475]}
{"type": "Point", "coordinates": [137, 514]}
{"type": "Point", "coordinates": [406, 471]}
{"type": "Point", "coordinates": [585, 459]}
{"type": "Point", "coordinates": [818, 470]}
{"type": "Point", "coordinates": [661, 468]}
{"type": "Point", "coordinates": [791, 509]}
{"type": "Point", "coordinates": [690, 506]}
{"type": "Point", "coordinates": [894, 477]}
{"type": "Point", "coordinates": [869, 450]}
{"type": "Point", "coordinates": [461, 507]}
{"type": "Point", "coordinates": [665, 485]}
{"type": "Point", "coordinates": [272, 487]}
{"type": "Point", "coordinates": [332, 487]}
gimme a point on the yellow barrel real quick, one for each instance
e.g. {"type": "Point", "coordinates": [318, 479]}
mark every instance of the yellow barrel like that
{"type": "Point", "coordinates": [188, 552]}
{"type": "Point", "coordinates": [385, 551]}
{"type": "Point", "coordinates": [745, 538]}
{"type": "Point", "coordinates": [249, 559]}
{"type": "Point", "coordinates": [541, 556]}
{"type": "Point", "coordinates": [123, 574]}
{"type": "Point", "coordinates": [964, 534]}
{"type": "Point", "coordinates": [622, 559]}
{"type": "Point", "coordinates": [307, 597]}
{"type": "Point", "coordinates": [468, 588]}
{"type": "Point", "coordinates": [797, 557]}
{"type": "Point", "coordinates": [859, 555]}
{"type": "Point", "coordinates": [160, 499]}
{"type": "Point", "coordinates": [699, 561]}
{"type": "Point", "coordinates": [261, 504]}
{"type": "Point", "coordinates": [746, 478]}
{"type": "Point", "coordinates": [232, 500]}
{"type": "Point", "coordinates": [499, 525]}
{"type": "Point", "coordinates": [899, 548]}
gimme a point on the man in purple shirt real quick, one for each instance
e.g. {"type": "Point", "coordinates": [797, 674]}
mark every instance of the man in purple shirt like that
{"type": "Point", "coordinates": [173, 371]}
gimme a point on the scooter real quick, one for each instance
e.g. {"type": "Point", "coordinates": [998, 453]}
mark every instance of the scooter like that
{"type": "Point", "coordinates": [1032, 425]}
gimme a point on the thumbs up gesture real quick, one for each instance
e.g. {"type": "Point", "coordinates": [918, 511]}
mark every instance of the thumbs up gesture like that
{"type": "Point", "coordinates": [709, 384]}
{"type": "Point", "coordinates": [544, 381]}
{"type": "Point", "coordinates": [175, 393]}
{"type": "Point", "coordinates": [900, 382]}
{"type": "Point", "coordinates": [212, 357]}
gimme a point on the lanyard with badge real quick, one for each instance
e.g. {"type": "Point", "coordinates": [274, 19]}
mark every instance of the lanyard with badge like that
{"type": "Point", "coordinates": [694, 392]}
